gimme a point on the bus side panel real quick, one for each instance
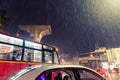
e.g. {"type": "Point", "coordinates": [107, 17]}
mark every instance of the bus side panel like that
{"type": "Point", "coordinates": [9, 68]}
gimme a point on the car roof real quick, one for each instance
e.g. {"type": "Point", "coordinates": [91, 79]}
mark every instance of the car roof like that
{"type": "Point", "coordinates": [59, 66]}
{"type": "Point", "coordinates": [55, 66]}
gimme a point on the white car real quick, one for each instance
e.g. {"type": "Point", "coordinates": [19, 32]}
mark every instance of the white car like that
{"type": "Point", "coordinates": [57, 72]}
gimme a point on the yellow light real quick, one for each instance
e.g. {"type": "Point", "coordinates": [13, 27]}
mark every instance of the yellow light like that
{"type": "Point", "coordinates": [113, 3]}
{"type": "Point", "coordinates": [56, 49]}
{"type": "Point", "coordinates": [91, 55]}
{"type": "Point", "coordinates": [17, 34]}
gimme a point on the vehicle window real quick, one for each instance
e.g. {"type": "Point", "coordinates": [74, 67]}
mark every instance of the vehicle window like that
{"type": "Point", "coordinates": [48, 57]}
{"type": "Point", "coordinates": [69, 74]}
{"type": "Point", "coordinates": [56, 75]}
{"type": "Point", "coordinates": [88, 75]}
{"type": "Point", "coordinates": [9, 52]}
{"type": "Point", "coordinates": [32, 55]}
{"type": "Point", "coordinates": [55, 58]}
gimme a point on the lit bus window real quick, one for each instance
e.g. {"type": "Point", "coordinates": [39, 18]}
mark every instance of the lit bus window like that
{"type": "Point", "coordinates": [11, 40]}
{"type": "Point", "coordinates": [8, 52]}
{"type": "Point", "coordinates": [32, 55]}
{"type": "Point", "coordinates": [55, 58]}
{"type": "Point", "coordinates": [47, 47]}
{"type": "Point", "coordinates": [37, 56]}
{"type": "Point", "coordinates": [33, 45]}
{"type": "Point", "coordinates": [48, 57]}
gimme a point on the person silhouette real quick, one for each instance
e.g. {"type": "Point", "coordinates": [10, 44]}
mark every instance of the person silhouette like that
{"type": "Point", "coordinates": [58, 77]}
{"type": "Point", "coordinates": [14, 55]}
{"type": "Point", "coordinates": [66, 78]}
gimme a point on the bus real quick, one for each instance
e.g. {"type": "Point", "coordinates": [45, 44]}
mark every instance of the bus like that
{"type": "Point", "coordinates": [17, 53]}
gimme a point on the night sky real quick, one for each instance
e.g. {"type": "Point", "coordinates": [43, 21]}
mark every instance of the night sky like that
{"type": "Point", "coordinates": [77, 25]}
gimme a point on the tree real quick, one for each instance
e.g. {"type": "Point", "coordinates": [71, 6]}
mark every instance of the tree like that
{"type": "Point", "coordinates": [4, 20]}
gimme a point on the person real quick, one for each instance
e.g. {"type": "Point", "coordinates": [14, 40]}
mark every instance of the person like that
{"type": "Point", "coordinates": [66, 77]}
{"type": "Point", "coordinates": [14, 55]}
{"type": "Point", "coordinates": [8, 56]}
{"type": "Point", "coordinates": [58, 77]}
{"type": "Point", "coordinates": [29, 57]}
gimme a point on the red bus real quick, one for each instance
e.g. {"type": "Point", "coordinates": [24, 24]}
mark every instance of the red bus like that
{"type": "Point", "coordinates": [17, 53]}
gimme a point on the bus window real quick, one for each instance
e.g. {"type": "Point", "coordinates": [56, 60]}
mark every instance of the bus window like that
{"type": "Point", "coordinates": [37, 56]}
{"type": "Point", "coordinates": [33, 45]}
{"type": "Point", "coordinates": [55, 58]}
{"type": "Point", "coordinates": [8, 52]}
{"type": "Point", "coordinates": [48, 57]}
{"type": "Point", "coordinates": [32, 55]}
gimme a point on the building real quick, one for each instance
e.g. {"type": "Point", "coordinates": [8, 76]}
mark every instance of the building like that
{"type": "Point", "coordinates": [101, 57]}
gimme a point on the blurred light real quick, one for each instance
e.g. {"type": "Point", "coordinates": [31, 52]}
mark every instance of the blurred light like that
{"type": "Point", "coordinates": [63, 60]}
{"type": "Point", "coordinates": [91, 55]}
{"type": "Point", "coordinates": [17, 34]}
{"type": "Point", "coordinates": [57, 49]}
{"type": "Point", "coordinates": [114, 2]}
{"type": "Point", "coordinates": [105, 65]}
